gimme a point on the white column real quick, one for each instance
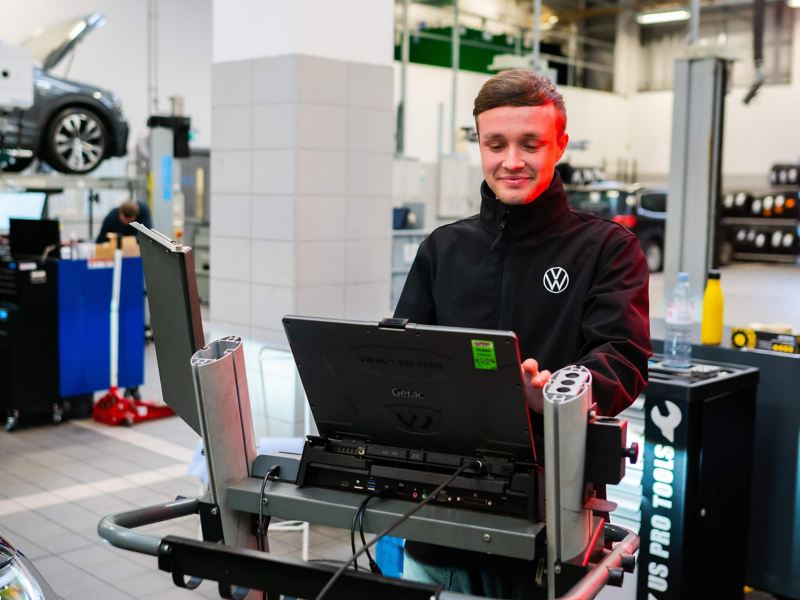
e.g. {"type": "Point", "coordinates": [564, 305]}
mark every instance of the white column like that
{"type": "Point", "coordinates": [795, 53]}
{"type": "Point", "coordinates": [301, 175]}
{"type": "Point", "coordinates": [626, 51]}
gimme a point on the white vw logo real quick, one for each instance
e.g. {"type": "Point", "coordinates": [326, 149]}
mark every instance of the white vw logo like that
{"type": "Point", "coordinates": [556, 280]}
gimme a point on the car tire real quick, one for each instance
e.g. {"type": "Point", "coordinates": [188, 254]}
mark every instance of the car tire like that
{"type": "Point", "coordinates": [654, 253]}
{"type": "Point", "coordinates": [19, 165]}
{"type": "Point", "coordinates": [75, 141]}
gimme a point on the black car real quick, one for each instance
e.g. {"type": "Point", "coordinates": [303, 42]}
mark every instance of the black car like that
{"type": "Point", "coordinates": [19, 579]}
{"type": "Point", "coordinates": [72, 126]}
{"type": "Point", "coordinates": [643, 210]}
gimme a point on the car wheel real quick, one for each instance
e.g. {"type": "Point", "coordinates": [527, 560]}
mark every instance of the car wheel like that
{"type": "Point", "coordinates": [19, 164]}
{"type": "Point", "coordinates": [76, 141]}
{"type": "Point", "coordinates": [654, 254]}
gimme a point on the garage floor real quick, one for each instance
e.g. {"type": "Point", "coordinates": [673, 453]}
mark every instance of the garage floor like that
{"type": "Point", "coordinates": [56, 482]}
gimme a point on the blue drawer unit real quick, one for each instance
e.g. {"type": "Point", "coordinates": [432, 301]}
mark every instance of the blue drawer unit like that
{"type": "Point", "coordinates": [84, 300]}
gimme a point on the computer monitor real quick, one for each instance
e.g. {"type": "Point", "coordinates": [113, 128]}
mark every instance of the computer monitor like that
{"type": "Point", "coordinates": [32, 237]}
{"type": "Point", "coordinates": [20, 205]}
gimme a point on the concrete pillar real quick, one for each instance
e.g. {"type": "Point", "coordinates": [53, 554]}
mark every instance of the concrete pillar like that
{"type": "Point", "coordinates": [626, 52]}
{"type": "Point", "coordinates": [301, 167]}
{"type": "Point", "coordinates": [795, 49]}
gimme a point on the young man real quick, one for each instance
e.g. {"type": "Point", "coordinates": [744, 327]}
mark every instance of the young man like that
{"type": "Point", "coordinates": [572, 286]}
{"type": "Point", "coordinates": [118, 220]}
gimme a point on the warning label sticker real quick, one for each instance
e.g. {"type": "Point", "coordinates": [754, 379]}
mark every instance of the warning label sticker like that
{"type": "Point", "coordinates": [483, 354]}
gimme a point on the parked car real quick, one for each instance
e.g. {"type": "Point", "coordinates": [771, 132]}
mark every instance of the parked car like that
{"type": "Point", "coordinates": [72, 126]}
{"type": "Point", "coordinates": [643, 210]}
{"type": "Point", "coordinates": [19, 579]}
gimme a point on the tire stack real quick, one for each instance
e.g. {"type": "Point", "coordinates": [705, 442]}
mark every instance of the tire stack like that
{"type": "Point", "coordinates": [764, 226]}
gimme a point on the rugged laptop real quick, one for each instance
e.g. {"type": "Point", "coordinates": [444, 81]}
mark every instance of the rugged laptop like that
{"type": "Point", "coordinates": [400, 406]}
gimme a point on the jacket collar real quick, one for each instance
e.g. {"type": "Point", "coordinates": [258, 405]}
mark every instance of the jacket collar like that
{"type": "Point", "coordinates": [548, 207]}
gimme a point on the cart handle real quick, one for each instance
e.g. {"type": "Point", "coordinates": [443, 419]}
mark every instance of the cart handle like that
{"type": "Point", "coordinates": [117, 529]}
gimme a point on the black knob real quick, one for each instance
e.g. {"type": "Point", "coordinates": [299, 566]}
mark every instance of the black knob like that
{"type": "Point", "coordinates": [615, 576]}
{"type": "Point", "coordinates": [628, 563]}
{"type": "Point", "coordinates": [631, 453]}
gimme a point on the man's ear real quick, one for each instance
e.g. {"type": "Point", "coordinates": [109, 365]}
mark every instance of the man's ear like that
{"type": "Point", "coordinates": [563, 140]}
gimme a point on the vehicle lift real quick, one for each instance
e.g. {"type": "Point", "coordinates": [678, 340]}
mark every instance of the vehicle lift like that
{"type": "Point", "coordinates": [583, 553]}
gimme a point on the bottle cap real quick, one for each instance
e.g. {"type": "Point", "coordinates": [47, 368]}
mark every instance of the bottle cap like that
{"type": "Point", "coordinates": [683, 276]}
{"type": "Point", "coordinates": [713, 274]}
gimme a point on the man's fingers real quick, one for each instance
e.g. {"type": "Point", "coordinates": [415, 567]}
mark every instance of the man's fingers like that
{"type": "Point", "coordinates": [541, 378]}
{"type": "Point", "coordinates": [530, 365]}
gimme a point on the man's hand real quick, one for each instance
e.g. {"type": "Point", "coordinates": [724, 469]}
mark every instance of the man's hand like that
{"type": "Point", "coordinates": [534, 380]}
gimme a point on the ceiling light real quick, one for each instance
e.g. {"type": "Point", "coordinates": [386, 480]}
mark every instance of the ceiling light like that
{"type": "Point", "coordinates": [665, 16]}
{"type": "Point", "coordinates": [794, 3]}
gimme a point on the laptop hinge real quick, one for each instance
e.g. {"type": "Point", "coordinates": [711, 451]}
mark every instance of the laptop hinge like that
{"type": "Point", "coordinates": [393, 323]}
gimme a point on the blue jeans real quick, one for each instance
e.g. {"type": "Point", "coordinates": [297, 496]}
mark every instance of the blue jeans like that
{"type": "Point", "coordinates": [513, 583]}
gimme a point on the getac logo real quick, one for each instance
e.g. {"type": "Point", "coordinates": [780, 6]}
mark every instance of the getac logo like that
{"type": "Point", "coordinates": [555, 280]}
{"type": "Point", "coordinates": [398, 393]}
{"type": "Point", "coordinates": [667, 423]}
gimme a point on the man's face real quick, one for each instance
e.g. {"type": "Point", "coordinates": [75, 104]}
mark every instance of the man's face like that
{"type": "Point", "coordinates": [520, 146]}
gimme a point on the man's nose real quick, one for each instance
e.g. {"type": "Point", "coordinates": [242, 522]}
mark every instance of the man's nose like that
{"type": "Point", "coordinates": [513, 160]}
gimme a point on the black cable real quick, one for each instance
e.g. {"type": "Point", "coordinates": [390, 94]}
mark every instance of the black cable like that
{"type": "Point", "coordinates": [353, 526]}
{"type": "Point", "coordinates": [373, 565]}
{"type": "Point", "coordinates": [472, 463]}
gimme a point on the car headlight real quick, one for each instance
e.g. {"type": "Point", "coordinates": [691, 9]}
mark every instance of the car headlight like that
{"type": "Point", "coordinates": [17, 583]}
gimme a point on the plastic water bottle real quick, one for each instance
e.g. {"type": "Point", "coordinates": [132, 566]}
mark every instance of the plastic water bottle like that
{"type": "Point", "coordinates": [680, 314]}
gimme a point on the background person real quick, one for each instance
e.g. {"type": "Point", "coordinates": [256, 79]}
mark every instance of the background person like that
{"type": "Point", "coordinates": [118, 220]}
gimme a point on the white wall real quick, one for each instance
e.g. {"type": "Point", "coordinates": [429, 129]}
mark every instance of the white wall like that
{"type": "Point", "coordinates": [601, 118]}
{"type": "Point", "coordinates": [755, 135]}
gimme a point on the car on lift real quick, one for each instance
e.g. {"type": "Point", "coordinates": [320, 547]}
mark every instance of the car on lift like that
{"type": "Point", "coordinates": [71, 126]}
{"type": "Point", "coordinates": [641, 209]}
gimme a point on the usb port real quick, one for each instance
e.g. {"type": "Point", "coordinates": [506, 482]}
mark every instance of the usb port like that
{"type": "Point", "coordinates": [371, 485]}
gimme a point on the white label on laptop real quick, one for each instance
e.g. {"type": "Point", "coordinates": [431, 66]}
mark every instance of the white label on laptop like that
{"type": "Point", "coordinates": [27, 266]}
{"type": "Point", "coordinates": [38, 277]}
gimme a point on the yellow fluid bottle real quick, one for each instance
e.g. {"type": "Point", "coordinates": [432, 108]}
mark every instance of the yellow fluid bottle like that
{"type": "Point", "coordinates": [713, 305]}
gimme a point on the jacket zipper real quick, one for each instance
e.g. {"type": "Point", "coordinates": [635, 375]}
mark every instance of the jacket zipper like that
{"type": "Point", "coordinates": [500, 229]}
{"type": "Point", "coordinates": [505, 273]}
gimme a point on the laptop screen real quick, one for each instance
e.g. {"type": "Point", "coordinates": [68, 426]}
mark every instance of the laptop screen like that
{"type": "Point", "coordinates": [440, 389]}
{"type": "Point", "coordinates": [31, 237]}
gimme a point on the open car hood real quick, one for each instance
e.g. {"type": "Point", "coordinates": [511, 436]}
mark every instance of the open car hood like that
{"type": "Point", "coordinates": [49, 45]}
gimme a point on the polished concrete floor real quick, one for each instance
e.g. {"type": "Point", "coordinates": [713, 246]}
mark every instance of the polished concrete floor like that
{"type": "Point", "coordinates": [56, 482]}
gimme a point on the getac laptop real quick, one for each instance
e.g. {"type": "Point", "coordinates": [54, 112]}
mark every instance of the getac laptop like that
{"type": "Point", "coordinates": [399, 406]}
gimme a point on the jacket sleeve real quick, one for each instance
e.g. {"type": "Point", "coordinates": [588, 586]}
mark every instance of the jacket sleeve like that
{"type": "Point", "coordinates": [616, 327]}
{"type": "Point", "coordinates": [416, 301]}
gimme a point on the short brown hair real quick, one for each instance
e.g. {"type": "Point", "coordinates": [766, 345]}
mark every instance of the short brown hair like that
{"type": "Point", "coordinates": [520, 87]}
{"type": "Point", "coordinates": [129, 209]}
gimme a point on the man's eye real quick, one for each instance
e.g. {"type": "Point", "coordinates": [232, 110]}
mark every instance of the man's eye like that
{"type": "Point", "coordinates": [531, 147]}
{"type": "Point", "coordinates": [495, 147]}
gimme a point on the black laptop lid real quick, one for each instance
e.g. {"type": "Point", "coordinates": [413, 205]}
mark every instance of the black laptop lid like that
{"type": "Point", "coordinates": [440, 389]}
{"type": "Point", "coordinates": [175, 317]}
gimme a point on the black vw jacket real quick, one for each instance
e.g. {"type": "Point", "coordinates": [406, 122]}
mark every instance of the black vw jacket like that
{"type": "Point", "coordinates": [573, 287]}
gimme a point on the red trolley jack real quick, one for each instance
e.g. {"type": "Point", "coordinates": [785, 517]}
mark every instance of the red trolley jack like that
{"type": "Point", "coordinates": [115, 408]}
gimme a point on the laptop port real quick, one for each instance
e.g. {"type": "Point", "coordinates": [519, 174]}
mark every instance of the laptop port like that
{"type": "Point", "coordinates": [470, 501]}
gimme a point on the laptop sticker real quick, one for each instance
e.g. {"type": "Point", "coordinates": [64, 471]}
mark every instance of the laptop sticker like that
{"type": "Point", "coordinates": [483, 355]}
